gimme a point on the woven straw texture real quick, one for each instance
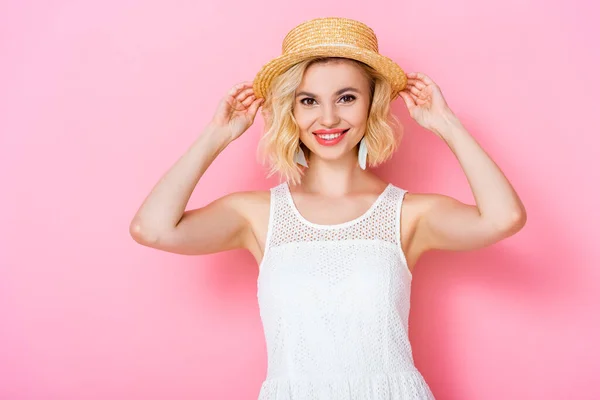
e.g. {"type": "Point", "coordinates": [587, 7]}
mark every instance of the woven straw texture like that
{"type": "Point", "coordinates": [330, 37]}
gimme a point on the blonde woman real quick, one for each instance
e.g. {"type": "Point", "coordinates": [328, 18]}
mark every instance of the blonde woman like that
{"type": "Point", "coordinates": [334, 243]}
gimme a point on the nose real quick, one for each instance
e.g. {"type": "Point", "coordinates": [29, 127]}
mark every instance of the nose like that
{"type": "Point", "coordinates": [329, 116]}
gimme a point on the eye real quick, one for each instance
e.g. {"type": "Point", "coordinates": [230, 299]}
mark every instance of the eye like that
{"type": "Point", "coordinates": [347, 99]}
{"type": "Point", "coordinates": [348, 96]}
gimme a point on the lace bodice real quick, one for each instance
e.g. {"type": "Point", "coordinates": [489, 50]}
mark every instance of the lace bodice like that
{"type": "Point", "coordinates": [291, 226]}
{"type": "Point", "coordinates": [334, 301]}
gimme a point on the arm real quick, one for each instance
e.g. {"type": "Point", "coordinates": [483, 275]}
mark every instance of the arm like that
{"type": "Point", "coordinates": [162, 222]}
{"type": "Point", "coordinates": [446, 223]}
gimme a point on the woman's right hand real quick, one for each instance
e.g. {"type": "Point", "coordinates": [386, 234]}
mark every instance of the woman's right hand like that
{"type": "Point", "coordinates": [236, 111]}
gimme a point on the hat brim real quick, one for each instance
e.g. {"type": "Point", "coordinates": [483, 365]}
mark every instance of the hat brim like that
{"type": "Point", "coordinates": [387, 67]}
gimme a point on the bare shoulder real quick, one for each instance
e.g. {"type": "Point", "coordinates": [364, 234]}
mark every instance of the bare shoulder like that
{"type": "Point", "coordinates": [232, 221]}
{"type": "Point", "coordinates": [424, 201]}
{"type": "Point", "coordinates": [252, 203]}
{"type": "Point", "coordinates": [417, 205]}
{"type": "Point", "coordinates": [445, 223]}
{"type": "Point", "coordinates": [414, 206]}
{"type": "Point", "coordinates": [254, 206]}
{"type": "Point", "coordinates": [248, 201]}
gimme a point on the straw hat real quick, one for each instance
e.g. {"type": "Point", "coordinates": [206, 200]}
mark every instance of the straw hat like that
{"type": "Point", "coordinates": [330, 37]}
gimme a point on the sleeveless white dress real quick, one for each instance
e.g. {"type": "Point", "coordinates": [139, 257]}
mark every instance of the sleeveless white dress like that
{"type": "Point", "coordinates": [334, 303]}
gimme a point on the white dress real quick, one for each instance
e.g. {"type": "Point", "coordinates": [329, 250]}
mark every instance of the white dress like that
{"type": "Point", "coordinates": [334, 303]}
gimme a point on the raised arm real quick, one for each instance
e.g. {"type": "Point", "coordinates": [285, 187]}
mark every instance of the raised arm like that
{"type": "Point", "coordinates": [445, 223]}
{"type": "Point", "coordinates": [162, 222]}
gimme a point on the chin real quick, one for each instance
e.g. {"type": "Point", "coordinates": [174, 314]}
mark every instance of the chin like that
{"type": "Point", "coordinates": [330, 154]}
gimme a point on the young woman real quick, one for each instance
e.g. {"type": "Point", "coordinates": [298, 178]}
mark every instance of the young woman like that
{"type": "Point", "coordinates": [335, 244]}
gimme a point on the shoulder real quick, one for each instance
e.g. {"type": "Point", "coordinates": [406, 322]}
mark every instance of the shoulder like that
{"type": "Point", "coordinates": [415, 207]}
{"type": "Point", "coordinates": [427, 211]}
{"type": "Point", "coordinates": [422, 203]}
{"type": "Point", "coordinates": [254, 207]}
{"type": "Point", "coordinates": [419, 205]}
{"type": "Point", "coordinates": [431, 208]}
{"type": "Point", "coordinates": [248, 203]}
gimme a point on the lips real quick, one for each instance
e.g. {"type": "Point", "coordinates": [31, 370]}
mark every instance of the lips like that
{"type": "Point", "coordinates": [325, 131]}
{"type": "Point", "coordinates": [329, 137]}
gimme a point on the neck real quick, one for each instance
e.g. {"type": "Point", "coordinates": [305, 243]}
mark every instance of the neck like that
{"type": "Point", "coordinates": [334, 177]}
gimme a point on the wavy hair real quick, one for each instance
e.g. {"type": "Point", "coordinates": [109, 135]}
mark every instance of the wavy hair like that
{"type": "Point", "coordinates": [281, 138]}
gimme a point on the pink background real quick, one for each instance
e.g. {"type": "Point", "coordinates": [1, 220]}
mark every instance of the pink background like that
{"type": "Point", "coordinates": [98, 99]}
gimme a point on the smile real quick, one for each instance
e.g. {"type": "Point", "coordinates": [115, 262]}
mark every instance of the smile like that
{"type": "Point", "coordinates": [330, 138]}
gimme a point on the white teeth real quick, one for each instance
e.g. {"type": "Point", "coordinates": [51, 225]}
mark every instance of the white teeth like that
{"type": "Point", "coordinates": [330, 136]}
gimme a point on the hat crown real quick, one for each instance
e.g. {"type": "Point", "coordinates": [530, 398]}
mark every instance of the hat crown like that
{"type": "Point", "coordinates": [330, 32]}
{"type": "Point", "coordinates": [326, 38]}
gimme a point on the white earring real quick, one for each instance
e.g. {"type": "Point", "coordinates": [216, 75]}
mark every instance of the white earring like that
{"type": "Point", "coordinates": [362, 153]}
{"type": "Point", "coordinates": [299, 157]}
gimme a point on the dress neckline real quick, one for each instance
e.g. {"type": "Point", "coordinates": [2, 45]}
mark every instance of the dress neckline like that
{"type": "Point", "coordinates": [341, 224]}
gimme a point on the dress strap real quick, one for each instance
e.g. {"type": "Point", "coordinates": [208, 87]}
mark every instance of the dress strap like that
{"type": "Point", "coordinates": [277, 205]}
{"type": "Point", "coordinates": [397, 199]}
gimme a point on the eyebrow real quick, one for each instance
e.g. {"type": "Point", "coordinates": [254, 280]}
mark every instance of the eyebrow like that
{"type": "Point", "coordinates": [346, 89]}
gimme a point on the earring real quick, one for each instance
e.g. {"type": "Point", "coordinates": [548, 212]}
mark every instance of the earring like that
{"type": "Point", "coordinates": [299, 157]}
{"type": "Point", "coordinates": [362, 153]}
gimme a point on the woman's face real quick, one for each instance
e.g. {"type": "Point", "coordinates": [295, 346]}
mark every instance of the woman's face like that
{"type": "Point", "coordinates": [331, 108]}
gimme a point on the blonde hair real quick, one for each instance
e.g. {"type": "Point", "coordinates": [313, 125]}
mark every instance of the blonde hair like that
{"type": "Point", "coordinates": [281, 138]}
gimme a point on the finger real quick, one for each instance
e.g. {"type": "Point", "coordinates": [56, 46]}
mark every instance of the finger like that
{"type": "Point", "coordinates": [254, 107]}
{"type": "Point", "coordinates": [416, 83]}
{"type": "Point", "coordinates": [418, 93]}
{"type": "Point", "coordinates": [248, 100]}
{"type": "Point", "coordinates": [421, 76]}
{"type": "Point", "coordinates": [234, 91]}
{"type": "Point", "coordinates": [412, 89]}
{"type": "Point", "coordinates": [410, 103]}
{"type": "Point", "coordinates": [242, 96]}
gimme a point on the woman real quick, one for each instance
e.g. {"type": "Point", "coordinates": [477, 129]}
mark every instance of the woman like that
{"type": "Point", "coordinates": [335, 244]}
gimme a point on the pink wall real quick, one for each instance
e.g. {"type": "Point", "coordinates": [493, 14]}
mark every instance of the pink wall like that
{"type": "Point", "coordinates": [98, 99]}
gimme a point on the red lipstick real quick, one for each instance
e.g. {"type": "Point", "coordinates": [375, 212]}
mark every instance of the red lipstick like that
{"type": "Point", "coordinates": [329, 137]}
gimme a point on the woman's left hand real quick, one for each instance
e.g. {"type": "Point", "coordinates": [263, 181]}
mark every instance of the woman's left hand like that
{"type": "Point", "coordinates": [425, 102]}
